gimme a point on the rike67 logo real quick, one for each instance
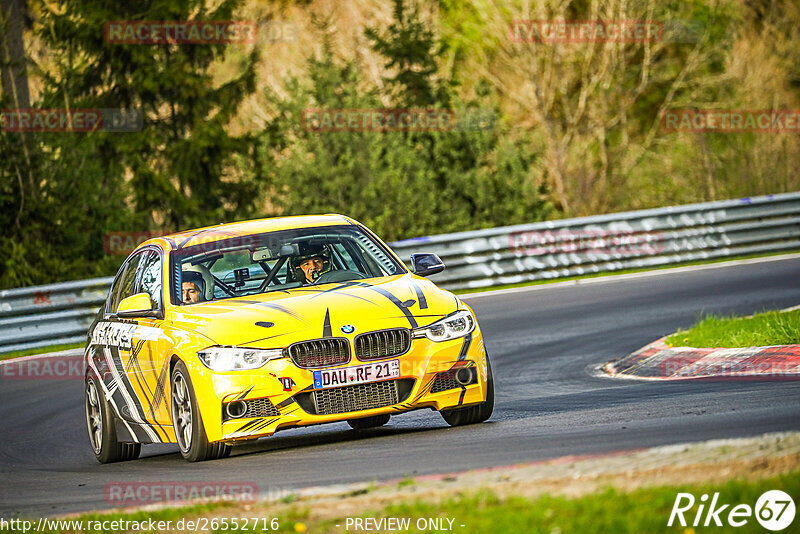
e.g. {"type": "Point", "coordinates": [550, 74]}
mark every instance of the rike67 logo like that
{"type": "Point", "coordinates": [774, 510]}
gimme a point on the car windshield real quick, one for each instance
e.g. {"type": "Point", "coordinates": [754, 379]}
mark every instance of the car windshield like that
{"type": "Point", "coordinates": [277, 261]}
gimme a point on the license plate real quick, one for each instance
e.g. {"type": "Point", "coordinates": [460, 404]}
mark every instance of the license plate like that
{"type": "Point", "coordinates": [357, 374]}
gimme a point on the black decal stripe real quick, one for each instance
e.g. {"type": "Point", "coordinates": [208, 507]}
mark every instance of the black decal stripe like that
{"type": "Point", "coordinates": [343, 285]}
{"type": "Point", "coordinates": [264, 425]}
{"type": "Point", "coordinates": [161, 386]}
{"type": "Point", "coordinates": [461, 398]}
{"type": "Point", "coordinates": [243, 395]}
{"type": "Point", "coordinates": [465, 347]}
{"type": "Point", "coordinates": [278, 307]}
{"type": "Point", "coordinates": [396, 302]}
{"type": "Point", "coordinates": [285, 402]}
{"type": "Point", "coordinates": [135, 367]}
{"type": "Point", "coordinates": [120, 408]}
{"type": "Point", "coordinates": [248, 425]}
{"type": "Point", "coordinates": [423, 302]}
{"type": "Point", "coordinates": [127, 386]}
{"type": "Point", "coordinates": [268, 337]}
{"type": "Point", "coordinates": [424, 390]}
{"type": "Point", "coordinates": [326, 327]}
{"type": "Point", "coordinates": [140, 434]}
{"type": "Point", "coordinates": [347, 295]}
{"type": "Point", "coordinates": [124, 380]}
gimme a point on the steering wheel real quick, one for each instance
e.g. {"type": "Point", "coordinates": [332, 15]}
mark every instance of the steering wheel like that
{"type": "Point", "coordinates": [344, 275]}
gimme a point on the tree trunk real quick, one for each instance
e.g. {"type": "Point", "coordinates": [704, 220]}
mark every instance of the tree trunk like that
{"type": "Point", "coordinates": [12, 53]}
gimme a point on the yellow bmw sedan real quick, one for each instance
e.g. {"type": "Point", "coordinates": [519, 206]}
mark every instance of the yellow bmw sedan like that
{"type": "Point", "coordinates": [225, 334]}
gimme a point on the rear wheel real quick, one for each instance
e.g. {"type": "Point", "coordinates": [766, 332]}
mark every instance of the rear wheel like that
{"type": "Point", "coordinates": [369, 422]}
{"type": "Point", "coordinates": [474, 414]}
{"type": "Point", "coordinates": [102, 432]}
{"type": "Point", "coordinates": [189, 430]}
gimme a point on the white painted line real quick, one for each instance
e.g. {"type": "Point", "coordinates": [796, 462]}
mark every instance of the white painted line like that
{"type": "Point", "coordinates": [629, 276]}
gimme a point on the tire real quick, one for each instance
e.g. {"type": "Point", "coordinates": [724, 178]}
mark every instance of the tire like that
{"type": "Point", "coordinates": [101, 428]}
{"type": "Point", "coordinates": [369, 422]}
{"type": "Point", "coordinates": [187, 422]}
{"type": "Point", "coordinates": [474, 414]}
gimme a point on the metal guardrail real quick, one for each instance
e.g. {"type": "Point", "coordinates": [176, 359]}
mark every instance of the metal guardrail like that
{"type": "Point", "coordinates": [61, 313]}
{"type": "Point", "coordinates": [52, 314]}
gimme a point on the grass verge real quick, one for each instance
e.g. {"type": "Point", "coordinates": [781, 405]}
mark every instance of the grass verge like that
{"type": "Point", "coordinates": [644, 510]}
{"type": "Point", "coordinates": [40, 350]}
{"type": "Point", "coordinates": [763, 329]}
{"type": "Point", "coordinates": [609, 510]}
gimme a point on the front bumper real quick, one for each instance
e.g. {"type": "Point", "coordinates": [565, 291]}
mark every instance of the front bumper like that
{"type": "Point", "coordinates": [279, 408]}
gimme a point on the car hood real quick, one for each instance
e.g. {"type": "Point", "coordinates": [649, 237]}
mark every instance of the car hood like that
{"type": "Point", "coordinates": [281, 318]}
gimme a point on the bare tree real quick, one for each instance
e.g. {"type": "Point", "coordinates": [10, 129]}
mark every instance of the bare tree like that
{"type": "Point", "coordinates": [14, 78]}
{"type": "Point", "coordinates": [584, 98]}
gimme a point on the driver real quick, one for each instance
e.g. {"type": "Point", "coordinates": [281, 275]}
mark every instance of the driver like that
{"type": "Point", "coordinates": [193, 287]}
{"type": "Point", "coordinates": [311, 264]}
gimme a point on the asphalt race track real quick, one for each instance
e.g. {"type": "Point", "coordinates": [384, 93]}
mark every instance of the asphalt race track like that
{"type": "Point", "coordinates": [545, 346]}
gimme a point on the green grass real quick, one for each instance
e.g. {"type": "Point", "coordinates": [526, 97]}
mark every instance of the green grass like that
{"type": "Point", "coordinates": [763, 329]}
{"type": "Point", "coordinates": [643, 510]}
{"type": "Point", "coordinates": [624, 271]}
{"type": "Point", "coordinates": [40, 350]}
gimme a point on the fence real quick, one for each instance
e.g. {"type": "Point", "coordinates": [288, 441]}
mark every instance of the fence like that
{"type": "Point", "coordinates": [61, 313]}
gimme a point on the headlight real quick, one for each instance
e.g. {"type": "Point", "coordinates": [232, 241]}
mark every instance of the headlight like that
{"type": "Point", "coordinates": [237, 359]}
{"type": "Point", "coordinates": [453, 326]}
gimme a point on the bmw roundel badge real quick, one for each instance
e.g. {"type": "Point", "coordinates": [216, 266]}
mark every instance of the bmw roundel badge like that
{"type": "Point", "coordinates": [348, 329]}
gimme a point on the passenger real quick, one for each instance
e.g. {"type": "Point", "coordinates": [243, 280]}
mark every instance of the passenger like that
{"type": "Point", "coordinates": [193, 287]}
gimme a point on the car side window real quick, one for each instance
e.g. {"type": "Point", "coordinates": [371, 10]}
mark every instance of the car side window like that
{"type": "Point", "coordinates": [149, 277]}
{"type": "Point", "coordinates": [127, 281]}
{"type": "Point", "coordinates": [113, 295]}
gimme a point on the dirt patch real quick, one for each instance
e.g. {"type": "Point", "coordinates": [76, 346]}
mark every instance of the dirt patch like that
{"type": "Point", "coordinates": [707, 462]}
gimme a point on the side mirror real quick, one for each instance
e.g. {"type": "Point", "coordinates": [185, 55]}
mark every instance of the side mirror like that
{"type": "Point", "coordinates": [138, 305]}
{"type": "Point", "coordinates": [426, 264]}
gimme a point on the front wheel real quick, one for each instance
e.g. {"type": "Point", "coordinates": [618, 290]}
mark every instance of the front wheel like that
{"type": "Point", "coordinates": [189, 431]}
{"type": "Point", "coordinates": [102, 432]}
{"type": "Point", "coordinates": [474, 414]}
